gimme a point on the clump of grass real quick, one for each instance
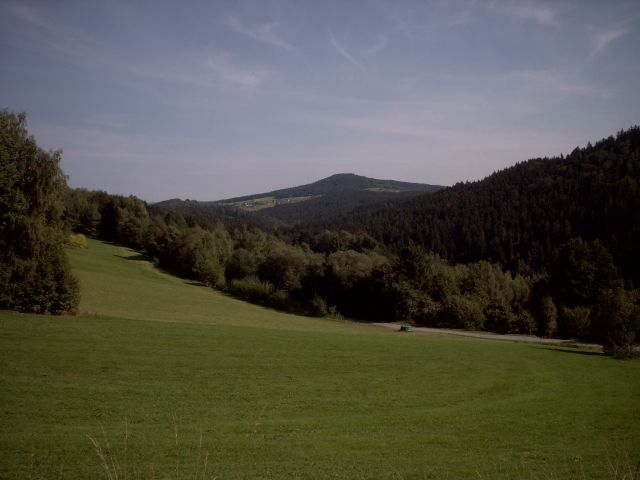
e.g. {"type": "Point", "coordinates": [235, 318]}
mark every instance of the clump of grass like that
{"type": "Point", "coordinates": [116, 469]}
{"type": "Point", "coordinates": [618, 464]}
{"type": "Point", "coordinates": [622, 466]}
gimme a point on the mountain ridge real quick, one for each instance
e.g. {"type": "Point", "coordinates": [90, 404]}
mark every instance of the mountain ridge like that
{"type": "Point", "coordinates": [338, 193]}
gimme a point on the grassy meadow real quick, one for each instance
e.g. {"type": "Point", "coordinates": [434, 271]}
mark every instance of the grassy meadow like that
{"type": "Point", "coordinates": [160, 378]}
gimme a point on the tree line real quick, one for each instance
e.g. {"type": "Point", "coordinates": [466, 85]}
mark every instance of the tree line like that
{"type": "Point", "coordinates": [340, 273]}
{"type": "Point", "coordinates": [574, 288]}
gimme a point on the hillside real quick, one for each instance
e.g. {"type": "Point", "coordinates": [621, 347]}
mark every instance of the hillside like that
{"type": "Point", "coordinates": [330, 196]}
{"type": "Point", "coordinates": [175, 380]}
{"type": "Point", "coordinates": [519, 216]}
{"type": "Point", "coordinates": [341, 182]}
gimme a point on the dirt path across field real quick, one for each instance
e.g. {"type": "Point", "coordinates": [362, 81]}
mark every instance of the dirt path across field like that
{"type": "Point", "coordinates": [496, 336]}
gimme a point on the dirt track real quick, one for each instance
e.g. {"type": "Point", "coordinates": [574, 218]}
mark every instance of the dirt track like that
{"type": "Point", "coordinates": [496, 336]}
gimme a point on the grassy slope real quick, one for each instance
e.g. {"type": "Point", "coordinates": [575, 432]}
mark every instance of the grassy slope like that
{"type": "Point", "coordinates": [269, 395]}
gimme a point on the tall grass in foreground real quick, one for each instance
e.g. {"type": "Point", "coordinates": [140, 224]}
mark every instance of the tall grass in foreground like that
{"type": "Point", "coordinates": [620, 466]}
{"type": "Point", "coordinates": [117, 465]}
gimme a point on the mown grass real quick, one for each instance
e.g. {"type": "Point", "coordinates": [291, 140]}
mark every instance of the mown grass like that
{"type": "Point", "coordinates": [173, 380]}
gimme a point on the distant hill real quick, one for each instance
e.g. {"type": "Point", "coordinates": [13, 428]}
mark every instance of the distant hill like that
{"type": "Point", "coordinates": [339, 183]}
{"type": "Point", "coordinates": [330, 196]}
{"type": "Point", "coordinates": [521, 215]}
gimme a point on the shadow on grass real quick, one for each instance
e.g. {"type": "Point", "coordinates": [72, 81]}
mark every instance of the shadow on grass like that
{"type": "Point", "coordinates": [575, 351]}
{"type": "Point", "coordinates": [140, 257]}
{"type": "Point", "coordinates": [136, 258]}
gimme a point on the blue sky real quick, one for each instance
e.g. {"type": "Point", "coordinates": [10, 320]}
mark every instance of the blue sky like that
{"type": "Point", "coordinates": [212, 99]}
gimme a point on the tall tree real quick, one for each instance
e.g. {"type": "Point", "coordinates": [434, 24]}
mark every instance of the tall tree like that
{"type": "Point", "coordinates": [34, 273]}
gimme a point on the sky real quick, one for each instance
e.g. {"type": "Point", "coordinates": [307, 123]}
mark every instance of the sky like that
{"type": "Point", "coordinates": [212, 99]}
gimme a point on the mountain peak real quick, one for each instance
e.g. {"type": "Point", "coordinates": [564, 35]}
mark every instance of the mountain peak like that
{"type": "Point", "coordinates": [337, 193]}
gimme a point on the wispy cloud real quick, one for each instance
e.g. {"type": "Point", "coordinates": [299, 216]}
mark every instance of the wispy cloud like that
{"type": "Point", "coordinates": [225, 70]}
{"type": "Point", "coordinates": [28, 14]}
{"type": "Point", "coordinates": [51, 34]}
{"type": "Point", "coordinates": [343, 52]}
{"type": "Point", "coordinates": [81, 50]}
{"type": "Point", "coordinates": [89, 142]}
{"type": "Point", "coordinates": [525, 10]}
{"type": "Point", "coordinates": [264, 33]}
{"type": "Point", "coordinates": [218, 70]}
{"type": "Point", "coordinates": [379, 45]}
{"type": "Point", "coordinates": [558, 82]}
{"type": "Point", "coordinates": [396, 19]}
{"type": "Point", "coordinates": [603, 39]}
{"type": "Point", "coordinates": [109, 121]}
{"type": "Point", "coordinates": [425, 117]}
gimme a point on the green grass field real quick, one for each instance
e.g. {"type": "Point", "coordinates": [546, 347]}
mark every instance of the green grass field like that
{"type": "Point", "coordinates": [174, 380]}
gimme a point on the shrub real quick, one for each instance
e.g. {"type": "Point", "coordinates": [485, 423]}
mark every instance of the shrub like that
{"type": "Point", "coordinates": [253, 289]}
{"type": "Point", "coordinates": [251, 286]}
{"type": "Point", "coordinates": [461, 312]}
{"type": "Point", "coordinates": [318, 307]}
{"type": "Point", "coordinates": [77, 240]}
{"type": "Point", "coordinates": [575, 322]}
{"type": "Point", "coordinates": [616, 323]}
{"type": "Point", "coordinates": [499, 317]}
{"type": "Point", "coordinates": [525, 323]}
{"type": "Point", "coordinates": [547, 317]}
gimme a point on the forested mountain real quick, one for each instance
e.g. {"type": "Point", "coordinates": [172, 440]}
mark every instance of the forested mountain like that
{"type": "Point", "coordinates": [521, 215]}
{"type": "Point", "coordinates": [341, 182]}
{"type": "Point", "coordinates": [327, 197]}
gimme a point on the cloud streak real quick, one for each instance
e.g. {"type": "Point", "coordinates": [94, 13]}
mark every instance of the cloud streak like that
{"type": "Point", "coordinates": [223, 68]}
{"type": "Point", "coordinates": [343, 52]}
{"type": "Point", "coordinates": [264, 34]}
{"type": "Point", "coordinates": [555, 81]}
{"type": "Point", "coordinates": [526, 11]}
{"type": "Point", "coordinates": [78, 48]}
{"type": "Point", "coordinates": [375, 48]}
{"type": "Point", "coordinates": [603, 39]}
{"type": "Point", "coordinates": [29, 15]}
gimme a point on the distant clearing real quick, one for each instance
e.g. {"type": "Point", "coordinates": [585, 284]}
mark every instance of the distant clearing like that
{"type": "Point", "coordinates": [174, 380]}
{"type": "Point", "coordinates": [255, 204]}
{"type": "Point", "coordinates": [379, 189]}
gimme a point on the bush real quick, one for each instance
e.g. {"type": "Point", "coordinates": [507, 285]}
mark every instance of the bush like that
{"type": "Point", "coordinates": [77, 240]}
{"type": "Point", "coordinates": [253, 289]}
{"type": "Point", "coordinates": [525, 324]}
{"type": "Point", "coordinates": [499, 317]}
{"type": "Point", "coordinates": [241, 264]}
{"type": "Point", "coordinates": [616, 323]}
{"type": "Point", "coordinates": [318, 307]}
{"type": "Point", "coordinates": [461, 312]}
{"type": "Point", "coordinates": [575, 322]}
{"type": "Point", "coordinates": [547, 318]}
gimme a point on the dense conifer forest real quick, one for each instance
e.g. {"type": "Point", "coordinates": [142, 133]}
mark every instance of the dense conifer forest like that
{"type": "Point", "coordinates": [520, 216]}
